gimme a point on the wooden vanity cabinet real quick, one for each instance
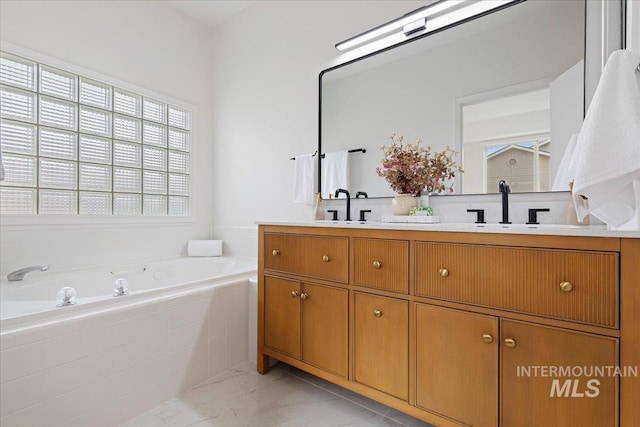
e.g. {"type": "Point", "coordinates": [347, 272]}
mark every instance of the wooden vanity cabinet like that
{"type": "Point", "coordinates": [308, 322]}
{"type": "Point", "coordinates": [450, 327]}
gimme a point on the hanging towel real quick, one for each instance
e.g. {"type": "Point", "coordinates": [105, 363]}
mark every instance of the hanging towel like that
{"type": "Point", "coordinates": [335, 172]}
{"type": "Point", "coordinates": [303, 180]}
{"type": "Point", "coordinates": [567, 169]}
{"type": "Point", "coordinates": [608, 160]}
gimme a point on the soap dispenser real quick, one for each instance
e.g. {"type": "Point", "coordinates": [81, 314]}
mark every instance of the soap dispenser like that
{"type": "Point", "coordinates": [319, 209]}
{"type": "Point", "coordinates": [569, 215]}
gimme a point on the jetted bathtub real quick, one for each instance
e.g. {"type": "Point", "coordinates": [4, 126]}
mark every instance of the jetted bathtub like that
{"type": "Point", "coordinates": [105, 358]}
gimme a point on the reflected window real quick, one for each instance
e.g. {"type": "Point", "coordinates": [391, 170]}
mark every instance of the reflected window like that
{"type": "Point", "coordinates": [525, 166]}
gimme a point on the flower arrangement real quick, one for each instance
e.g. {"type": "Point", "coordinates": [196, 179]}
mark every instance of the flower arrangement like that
{"type": "Point", "coordinates": [411, 168]}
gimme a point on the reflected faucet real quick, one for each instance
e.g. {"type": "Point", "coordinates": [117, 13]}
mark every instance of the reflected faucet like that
{"type": "Point", "coordinates": [363, 194]}
{"type": "Point", "coordinates": [19, 274]}
{"type": "Point", "coordinates": [342, 190]}
{"type": "Point", "coordinates": [505, 190]}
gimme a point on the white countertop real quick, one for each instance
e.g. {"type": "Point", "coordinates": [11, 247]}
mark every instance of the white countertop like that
{"type": "Point", "coordinates": [542, 229]}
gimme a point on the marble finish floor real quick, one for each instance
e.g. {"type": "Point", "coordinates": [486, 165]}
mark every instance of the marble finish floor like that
{"type": "Point", "coordinates": [240, 397]}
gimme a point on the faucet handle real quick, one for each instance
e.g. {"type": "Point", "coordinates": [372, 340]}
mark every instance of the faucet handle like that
{"type": "Point", "coordinates": [533, 215]}
{"type": "Point", "coordinates": [362, 214]}
{"type": "Point", "coordinates": [335, 214]}
{"type": "Point", "coordinates": [479, 215]}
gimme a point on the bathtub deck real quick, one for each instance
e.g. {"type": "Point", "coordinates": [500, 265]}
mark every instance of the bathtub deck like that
{"type": "Point", "coordinates": [240, 397]}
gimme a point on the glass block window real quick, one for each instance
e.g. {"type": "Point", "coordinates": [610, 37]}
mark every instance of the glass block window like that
{"type": "Point", "coordinates": [75, 145]}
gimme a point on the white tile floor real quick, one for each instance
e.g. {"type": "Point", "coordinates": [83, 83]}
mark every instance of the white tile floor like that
{"type": "Point", "coordinates": [240, 397]}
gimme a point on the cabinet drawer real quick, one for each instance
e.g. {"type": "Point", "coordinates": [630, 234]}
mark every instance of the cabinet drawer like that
{"type": "Point", "coordinates": [572, 285]}
{"type": "Point", "coordinates": [313, 256]}
{"type": "Point", "coordinates": [382, 264]}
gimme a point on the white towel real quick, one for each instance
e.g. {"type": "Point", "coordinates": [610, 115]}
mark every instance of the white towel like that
{"type": "Point", "coordinates": [303, 179]}
{"type": "Point", "coordinates": [567, 169]}
{"type": "Point", "coordinates": [204, 248]}
{"type": "Point", "coordinates": [608, 148]}
{"type": "Point", "coordinates": [335, 172]}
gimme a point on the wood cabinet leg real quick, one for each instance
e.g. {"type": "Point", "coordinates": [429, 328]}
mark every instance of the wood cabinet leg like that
{"type": "Point", "coordinates": [263, 363]}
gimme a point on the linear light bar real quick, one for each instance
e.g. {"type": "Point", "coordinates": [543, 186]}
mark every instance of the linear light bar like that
{"type": "Point", "coordinates": [424, 19]}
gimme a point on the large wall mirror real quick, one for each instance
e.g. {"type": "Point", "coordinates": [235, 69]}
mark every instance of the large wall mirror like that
{"type": "Point", "coordinates": [506, 90]}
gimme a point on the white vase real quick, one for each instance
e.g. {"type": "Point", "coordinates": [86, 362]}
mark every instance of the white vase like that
{"type": "Point", "coordinates": [402, 203]}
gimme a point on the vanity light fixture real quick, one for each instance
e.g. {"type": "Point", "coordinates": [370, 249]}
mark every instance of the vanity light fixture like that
{"type": "Point", "coordinates": [424, 20]}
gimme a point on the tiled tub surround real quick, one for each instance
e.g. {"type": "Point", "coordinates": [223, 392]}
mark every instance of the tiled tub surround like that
{"type": "Point", "coordinates": [102, 366]}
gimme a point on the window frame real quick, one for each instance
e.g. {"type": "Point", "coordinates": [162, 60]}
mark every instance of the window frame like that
{"type": "Point", "coordinates": [108, 219]}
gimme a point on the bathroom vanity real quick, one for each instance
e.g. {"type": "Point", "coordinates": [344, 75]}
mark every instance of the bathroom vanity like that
{"type": "Point", "coordinates": [515, 328]}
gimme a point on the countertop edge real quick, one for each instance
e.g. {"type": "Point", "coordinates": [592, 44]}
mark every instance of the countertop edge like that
{"type": "Point", "coordinates": [557, 230]}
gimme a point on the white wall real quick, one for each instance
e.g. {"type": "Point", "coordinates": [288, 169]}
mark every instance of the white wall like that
{"type": "Point", "coordinates": [266, 63]}
{"type": "Point", "coordinates": [147, 44]}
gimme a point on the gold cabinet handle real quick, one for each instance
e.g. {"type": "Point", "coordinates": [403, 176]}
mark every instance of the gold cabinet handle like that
{"type": "Point", "coordinates": [566, 286]}
{"type": "Point", "coordinates": [377, 264]}
{"type": "Point", "coordinates": [488, 338]}
{"type": "Point", "coordinates": [377, 313]}
{"type": "Point", "coordinates": [295, 294]}
{"type": "Point", "coordinates": [275, 252]}
{"type": "Point", "coordinates": [326, 258]}
{"type": "Point", "coordinates": [443, 272]}
{"type": "Point", "coordinates": [510, 342]}
{"type": "Point", "coordinates": [304, 296]}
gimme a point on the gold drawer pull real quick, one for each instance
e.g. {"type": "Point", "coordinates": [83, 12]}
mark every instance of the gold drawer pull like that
{"type": "Point", "coordinates": [377, 264]}
{"type": "Point", "coordinates": [443, 272]}
{"type": "Point", "coordinates": [510, 342]}
{"type": "Point", "coordinates": [566, 286]}
{"type": "Point", "coordinates": [377, 313]}
{"type": "Point", "coordinates": [488, 338]}
{"type": "Point", "coordinates": [295, 294]}
{"type": "Point", "coordinates": [275, 252]}
{"type": "Point", "coordinates": [326, 258]}
{"type": "Point", "coordinates": [304, 296]}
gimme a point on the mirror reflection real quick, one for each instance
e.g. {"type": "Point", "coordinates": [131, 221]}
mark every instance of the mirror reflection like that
{"type": "Point", "coordinates": [505, 90]}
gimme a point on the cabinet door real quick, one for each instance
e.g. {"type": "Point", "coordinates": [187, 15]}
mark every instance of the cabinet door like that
{"type": "Point", "coordinates": [381, 344]}
{"type": "Point", "coordinates": [457, 364]}
{"type": "Point", "coordinates": [325, 327]}
{"type": "Point", "coordinates": [536, 392]}
{"type": "Point", "coordinates": [282, 315]}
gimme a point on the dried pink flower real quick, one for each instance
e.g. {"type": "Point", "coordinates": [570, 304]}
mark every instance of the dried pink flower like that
{"type": "Point", "coordinates": [411, 168]}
